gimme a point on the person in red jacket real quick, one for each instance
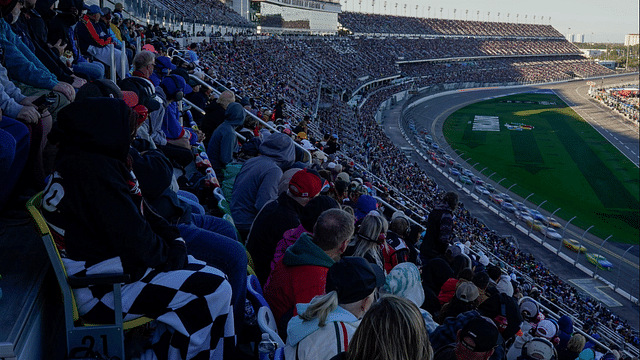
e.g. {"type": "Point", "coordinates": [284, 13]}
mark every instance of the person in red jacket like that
{"type": "Point", "coordinates": [302, 272]}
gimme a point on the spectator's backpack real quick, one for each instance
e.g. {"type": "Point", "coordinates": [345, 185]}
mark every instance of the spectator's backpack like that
{"type": "Point", "coordinates": [394, 251]}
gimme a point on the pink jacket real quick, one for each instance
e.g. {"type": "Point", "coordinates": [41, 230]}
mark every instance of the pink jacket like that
{"type": "Point", "coordinates": [290, 236]}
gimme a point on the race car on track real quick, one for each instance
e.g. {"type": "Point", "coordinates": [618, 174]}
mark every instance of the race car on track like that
{"type": "Point", "coordinates": [600, 261]}
{"type": "Point", "coordinates": [574, 245]}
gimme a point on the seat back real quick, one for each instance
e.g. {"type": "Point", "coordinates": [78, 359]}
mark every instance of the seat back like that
{"type": "Point", "coordinates": [267, 323]}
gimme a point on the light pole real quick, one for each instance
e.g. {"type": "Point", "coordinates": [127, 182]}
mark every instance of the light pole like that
{"type": "Point", "coordinates": [620, 270]}
{"type": "Point", "coordinates": [454, 159]}
{"type": "Point", "coordinates": [478, 16]}
{"type": "Point", "coordinates": [580, 246]}
{"type": "Point", "coordinates": [466, 15]}
{"type": "Point", "coordinates": [474, 165]}
{"type": "Point", "coordinates": [545, 232]}
{"type": "Point", "coordinates": [599, 250]}
{"type": "Point", "coordinates": [509, 188]}
{"type": "Point", "coordinates": [493, 173]}
{"type": "Point", "coordinates": [500, 182]}
{"type": "Point", "coordinates": [563, 230]}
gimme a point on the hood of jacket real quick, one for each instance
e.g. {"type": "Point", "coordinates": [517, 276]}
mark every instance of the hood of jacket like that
{"type": "Point", "coordinates": [305, 252]}
{"type": "Point", "coordinates": [96, 125]}
{"type": "Point", "coordinates": [280, 148]}
{"type": "Point", "coordinates": [299, 329]}
{"type": "Point", "coordinates": [234, 114]}
{"type": "Point", "coordinates": [565, 324]}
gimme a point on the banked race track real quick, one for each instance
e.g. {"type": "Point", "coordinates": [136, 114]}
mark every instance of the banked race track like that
{"type": "Point", "coordinates": [614, 288]}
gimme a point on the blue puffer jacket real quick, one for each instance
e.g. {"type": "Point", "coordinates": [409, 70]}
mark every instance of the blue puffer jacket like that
{"type": "Point", "coordinates": [22, 64]}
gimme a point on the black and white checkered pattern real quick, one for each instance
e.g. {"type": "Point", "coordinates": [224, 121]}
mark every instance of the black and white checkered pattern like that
{"type": "Point", "coordinates": [194, 302]}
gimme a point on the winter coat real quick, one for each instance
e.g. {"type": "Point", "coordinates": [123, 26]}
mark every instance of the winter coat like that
{"type": "Point", "coordinates": [289, 238]}
{"type": "Point", "coordinates": [22, 65]}
{"type": "Point", "coordinates": [439, 232]}
{"type": "Point", "coordinates": [272, 221]}
{"type": "Point", "coordinates": [306, 340]}
{"type": "Point", "coordinates": [565, 329]}
{"type": "Point", "coordinates": [93, 202]}
{"type": "Point", "coordinates": [301, 275]}
{"type": "Point", "coordinates": [10, 96]}
{"type": "Point", "coordinates": [448, 291]}
{"type": "Point", "coordinates": [224, 142]}
{"type": "Point", "coordinates": [257, 182]}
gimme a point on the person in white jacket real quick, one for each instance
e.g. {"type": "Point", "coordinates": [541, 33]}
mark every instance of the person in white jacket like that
{"type": "Point", "coordinates": [325, 326]}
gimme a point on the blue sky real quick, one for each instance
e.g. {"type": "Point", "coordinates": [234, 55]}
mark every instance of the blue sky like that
{"type": "Point", "coordinates": [607, 20]}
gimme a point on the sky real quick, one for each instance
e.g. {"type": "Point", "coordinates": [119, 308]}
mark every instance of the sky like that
{"type": "Point", "coordinates": [598, 20]}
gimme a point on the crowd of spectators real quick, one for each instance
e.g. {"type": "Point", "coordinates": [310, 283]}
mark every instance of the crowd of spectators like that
{"type": "Point", "coordinates": [209, 11]}
{"type": "Point", "coordinates": [498, 70]}
{"type": "Point", "coordinates": [622, 98]}
{"type": "Point", "coordinates": [131, 139]}
{"type": "Point", "coordinates": [388, 24]}
{"type": "Point", "coordinates": [310, 61]}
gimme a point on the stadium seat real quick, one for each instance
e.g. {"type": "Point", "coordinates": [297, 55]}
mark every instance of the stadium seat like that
{"type": "Point", "coordinates": [268, 325]}
{"type": "Point", "coordinates": [266, 320]}
{"type": "Point", "coordinates": [84, 339]}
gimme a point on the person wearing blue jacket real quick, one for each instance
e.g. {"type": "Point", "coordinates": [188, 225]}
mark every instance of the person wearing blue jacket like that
{"type": "Point", "coordinates": [23, 66]}
{"type": "Point", "coordinates": [224, 141]}
{"type": "Point", "coordinates": [257, 182]}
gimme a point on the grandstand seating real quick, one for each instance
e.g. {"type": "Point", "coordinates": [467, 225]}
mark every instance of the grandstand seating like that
{"type": "Point", "coordinates": [389, 24]}
{"type": "Point", "coordinates": [205, 11]}
{"type": "Point", "coordinates": [296, 69]}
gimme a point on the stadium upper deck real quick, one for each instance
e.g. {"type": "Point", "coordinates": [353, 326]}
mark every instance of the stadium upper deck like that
{"type": "Point", "coordinates": [360, 23]}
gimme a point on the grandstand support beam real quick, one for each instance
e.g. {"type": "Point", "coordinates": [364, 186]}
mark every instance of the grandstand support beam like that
{"type": "Point", "coordinates": [563, 230]}
{"type": "Point", "coordinates": [544, 239]}
{"type": "Point", "coordinates": [599, 252]}
{"type": "Point", "coordinates": [581, 240]}
{"type": "Point", "coordinates": [620, 267]}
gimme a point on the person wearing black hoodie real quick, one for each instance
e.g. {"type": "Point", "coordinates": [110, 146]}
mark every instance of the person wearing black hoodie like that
{"type": "Point", "coordinates": [103, 224]}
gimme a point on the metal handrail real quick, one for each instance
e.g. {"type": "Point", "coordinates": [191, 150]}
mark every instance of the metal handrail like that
{"type": "Point", "coordinates": [247, 112]}
{"type": "Point", "coordinates": [394, 209]}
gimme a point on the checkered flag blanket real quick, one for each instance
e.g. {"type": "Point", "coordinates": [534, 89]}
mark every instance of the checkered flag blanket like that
{"type": "Point", "coordinates": [194, 303]}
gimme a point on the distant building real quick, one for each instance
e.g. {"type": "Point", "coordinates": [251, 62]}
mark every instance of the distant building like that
{"type": "Point", "coordinates": [610, 64]}
{"type": "Point", "coordinates": [571, 37]}
{"type": "Point", "coordinates": [592, 52]}
{"type": "Point", "coordinates": [580, 38]}
{"type": "Point", "coordinates": [631, 39]}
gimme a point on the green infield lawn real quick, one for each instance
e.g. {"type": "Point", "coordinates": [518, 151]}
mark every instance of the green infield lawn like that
{"type": "Point", "coordinates": [562, 159]}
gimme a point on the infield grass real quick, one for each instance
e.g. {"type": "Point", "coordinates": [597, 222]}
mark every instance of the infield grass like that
{"type": "Point", "coordinates": [562, 160]}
